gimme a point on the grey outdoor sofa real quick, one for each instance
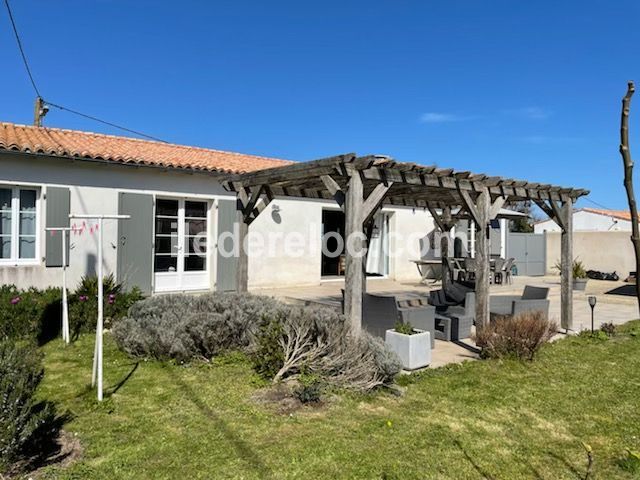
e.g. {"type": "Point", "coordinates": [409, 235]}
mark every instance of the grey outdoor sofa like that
{"type": "Point", "coordinates": [532, 299]}
{"type": "Point", "coordinates": [381, 312]}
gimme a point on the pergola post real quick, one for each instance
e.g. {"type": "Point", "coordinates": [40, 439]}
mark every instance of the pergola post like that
{"type": "Point", "coordinates": [566, 265]}
{"type": "Point", "coordinates": [354, 243]}
{"type": "Point", "coordinates": [562, 214]}
{"type": "Point", "coordinates": [482, 257]}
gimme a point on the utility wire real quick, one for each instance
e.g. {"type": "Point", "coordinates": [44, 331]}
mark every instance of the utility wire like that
{"type": "Point", "coordinates": [60, 107]}
{"type": "Point", "coordinates": [596, 203]}
{"type": "Point", "coordinates": [96, 119]}
{"type": "Point", "coordinates": [24, 57]}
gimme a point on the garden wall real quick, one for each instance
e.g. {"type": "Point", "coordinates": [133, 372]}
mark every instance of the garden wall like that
{"type": "Point", "coordinates": [603, 251]}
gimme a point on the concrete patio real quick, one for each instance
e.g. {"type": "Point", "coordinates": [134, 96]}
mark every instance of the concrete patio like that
{"type": "Point", "coordinates": [617, 309]}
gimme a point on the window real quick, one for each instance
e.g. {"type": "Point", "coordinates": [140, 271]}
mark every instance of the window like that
{"type": "Point", "coordinates": [18, 224]}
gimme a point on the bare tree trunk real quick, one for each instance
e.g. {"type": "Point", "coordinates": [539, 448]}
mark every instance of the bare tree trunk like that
{"type": "Point", "coordinates": [628, 179]}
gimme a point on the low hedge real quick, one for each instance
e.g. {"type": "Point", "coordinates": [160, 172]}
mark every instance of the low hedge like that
{"type": "Point", "coordinates": [36, 314]}
{"type": "Point", "coordinates": [284, 341]}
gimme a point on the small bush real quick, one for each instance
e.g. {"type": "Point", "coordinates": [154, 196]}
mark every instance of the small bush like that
{"type": "Point", "coordinates": [520, 336]}
{"type": "Point", "coordinates": [309, 389]}
{"type": "Point", "coordinates": [25, 424]}
{"type": "Point", "coordinates": [184, 327]}
{"type": "Point", "coordinates": [404, 328]}
{"type": "Point", "coordinates": [268, 357]}
{"type": "Point", "coordinates": [319, 341]}
{"type": "Point", "coordinates": [596, 335]}
{"type": "Point", "coordinates": [608, 328]}
{"type": "Point", "coordinates": [577, 268]}
{"type": "Point", "coordinates": [83, 303]}
{"type": "Point", "coordinates": [630, 462]}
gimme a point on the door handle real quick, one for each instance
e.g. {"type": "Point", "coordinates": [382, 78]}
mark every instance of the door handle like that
{"type": "Point", "coordinates": [123, 240]}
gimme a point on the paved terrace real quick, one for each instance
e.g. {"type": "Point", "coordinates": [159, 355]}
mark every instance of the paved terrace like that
{"type": "Point", "coordinates": [610, 308]}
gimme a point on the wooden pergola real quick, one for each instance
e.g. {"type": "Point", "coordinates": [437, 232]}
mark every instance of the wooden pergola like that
{"type": "Point", "coordinates": [363, 185]}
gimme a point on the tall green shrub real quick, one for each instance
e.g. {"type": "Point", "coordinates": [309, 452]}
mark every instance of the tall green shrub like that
{"type": "Point", "coordinates": [83, 303]}
{"type": "Point", "coordinates": [25, 423]}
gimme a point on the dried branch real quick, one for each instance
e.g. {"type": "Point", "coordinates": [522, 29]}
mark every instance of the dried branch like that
{"type": "Point", "coordinates": [628, 179]}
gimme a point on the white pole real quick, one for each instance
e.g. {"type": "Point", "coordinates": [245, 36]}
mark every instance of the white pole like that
{"type": "Point", "coordinates": [66, 337]}
{"type": "Point", "coordinates": [96, 374]}
{"type": "Point", "coordinates": [65, 305]}
{"type": "Point", "coordinates": [100, 310]}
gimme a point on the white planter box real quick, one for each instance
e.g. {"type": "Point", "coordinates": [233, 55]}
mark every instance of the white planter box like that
{"type": "Point", "coordinates": [414, 350]}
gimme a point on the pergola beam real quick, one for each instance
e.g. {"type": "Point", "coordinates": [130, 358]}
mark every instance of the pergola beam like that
{"type": "Point", "coordinates": [334, 189]}
{"type": "Point", "coordinates": [374, 200]}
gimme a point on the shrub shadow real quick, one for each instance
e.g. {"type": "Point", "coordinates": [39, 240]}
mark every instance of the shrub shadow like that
{"type": "Point", "coordinates": [242, 448]}
{"type": "Point", "coordinates": [481, 471]}
{"type": "Point", "coordinates": [49, 447]}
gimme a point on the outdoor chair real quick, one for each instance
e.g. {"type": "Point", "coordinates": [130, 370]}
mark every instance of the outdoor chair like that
{"type": "Point", "coordinates": [454, 270]}
{"type": "Point", "coordinates": [469, 269]}
{"type": "Point", "coordinates": [498, 270]}
{"type": "Point", "coordinates": [455, 311]}
{"type": "Point", "coordinates": [533, 299]}
{"type": "Point", "coordinates": [507, 270]}
{"type": "Point", "coordinates": [455, 322]}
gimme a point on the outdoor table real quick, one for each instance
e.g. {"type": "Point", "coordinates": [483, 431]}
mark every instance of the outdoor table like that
{"type": "Point", "coordinates": [430, 266]}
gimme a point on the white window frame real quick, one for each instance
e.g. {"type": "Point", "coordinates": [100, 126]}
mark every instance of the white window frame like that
{"type": "Point", "coordinates": [15, 226]}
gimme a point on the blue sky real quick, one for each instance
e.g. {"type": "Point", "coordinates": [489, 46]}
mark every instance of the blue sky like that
{"type": "Point", "coordinates": [521, 89]}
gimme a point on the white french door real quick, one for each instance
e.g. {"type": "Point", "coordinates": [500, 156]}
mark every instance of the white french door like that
{"type": "Point", "coordinates": [181, 240]}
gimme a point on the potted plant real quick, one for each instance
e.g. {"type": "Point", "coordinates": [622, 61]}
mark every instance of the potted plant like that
{"type": "Point", "coordinates": [579, 274]}
{"type": "Point", "coordinates": [412, 346]}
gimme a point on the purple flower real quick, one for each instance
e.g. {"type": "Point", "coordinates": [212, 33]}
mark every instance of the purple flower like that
{"type": "Point", "coordinates": [112, 298]}
{"type": "Point", "coordinates": [83, 298]}
{"type": "Point", "coordinates": [15, 300]}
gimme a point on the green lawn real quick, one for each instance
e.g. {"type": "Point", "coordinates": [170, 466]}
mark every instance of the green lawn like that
{"type": "Point", "coordinates": [490, 419]}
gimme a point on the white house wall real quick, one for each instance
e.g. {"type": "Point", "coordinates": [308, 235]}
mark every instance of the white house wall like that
{"type": "Point", "coordinates": [94, 188]}
{"type": "Point", "coordinates": [587, 222]}
{"type": "Point", "coordinates": [300, 221]}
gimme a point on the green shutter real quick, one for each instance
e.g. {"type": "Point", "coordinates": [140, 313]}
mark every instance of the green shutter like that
{"type": "Point", "coordinates": [57, 204]}
{"type": "Point", "coordinates": [135, 241]}
{"type": "Point", "coordinates": [226, 266]}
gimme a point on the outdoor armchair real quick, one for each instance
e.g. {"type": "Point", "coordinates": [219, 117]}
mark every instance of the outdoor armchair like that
{"type": "Point", "coordinates": [456, 321]}
{"type": "Point", "coordinates": [532, 299]}
{"type": "Point", "coordinates": [381, 312]}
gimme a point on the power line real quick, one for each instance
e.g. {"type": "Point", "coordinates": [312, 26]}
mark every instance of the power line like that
{"type": "Point", "coordinates": [596, 203]}
{"type": "Point", "coordinates": [96, 119]}
{"type": "Point", "coordinates": [24, 57]}
{"type": "Point", "coordinates": [60, 107]}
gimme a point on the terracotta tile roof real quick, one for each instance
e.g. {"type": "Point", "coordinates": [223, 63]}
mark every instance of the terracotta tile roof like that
{"type": "Point", "coordinates": [126, 150]}
{"type": "Point", "coordinates": [619, 214]}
